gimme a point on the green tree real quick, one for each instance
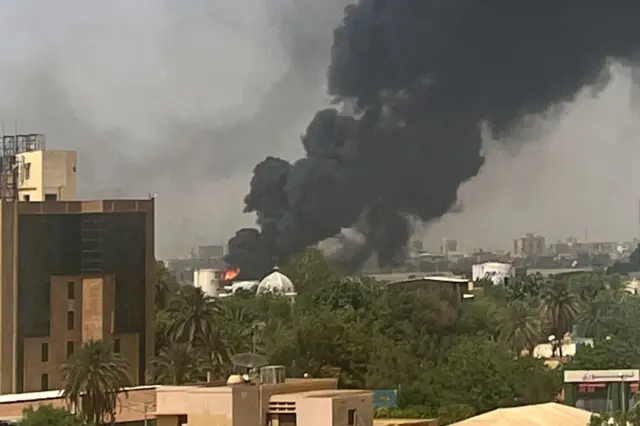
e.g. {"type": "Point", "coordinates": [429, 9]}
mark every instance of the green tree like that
{"type": "Point", "coordinates": [192, 314]}
{"type": "Point", "coordinates": [47, 415]}
{"type": "Point", "coordinates": [93, 379]}
{"type": "Point", "coordinates": [606, 355]}
{"type": "Point", "coordinates": [178, 364]}
{"type": "Point", "coordinates": [166, 285]}
{"type": "Point", "coordinates": [521, 327]}
{"type": "Point", "coordinates": [309, 270]}
{"type": "Point", "coordinates": [560, 307]}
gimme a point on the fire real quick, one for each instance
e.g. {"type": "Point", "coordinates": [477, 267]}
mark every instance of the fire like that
{"type": "Point", "coordinates": [230, 274]}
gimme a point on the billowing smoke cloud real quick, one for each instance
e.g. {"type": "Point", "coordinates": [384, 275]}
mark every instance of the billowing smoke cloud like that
{"type": "Point", "coordinates": [426, 76]}
{"type": "Point", "coordinates": [175, 97]}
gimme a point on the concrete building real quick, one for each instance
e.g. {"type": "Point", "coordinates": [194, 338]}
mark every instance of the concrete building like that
{"type": "Point", "coordinates": [72, 271]}
{"type": "Point", "coordinates": [529, 245]}
{"type": "Point", "coordinates": [293, 402]}
{"type": "Point", "coordinates": [601, 391]}
{"type": "Point", "coordinates": [47, 175]}
{"type": "Point", "coordinates": [498, 273]}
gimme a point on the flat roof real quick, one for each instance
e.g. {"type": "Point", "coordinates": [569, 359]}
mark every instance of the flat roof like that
{"type": "Point", "coordinates": [323, 393]}
{"type": "Point", "coordinates": [407, 277]}
{"type": "Point", "coordinates": [83, 206]}
{"type": "Point", "coordinates": [52, 394]}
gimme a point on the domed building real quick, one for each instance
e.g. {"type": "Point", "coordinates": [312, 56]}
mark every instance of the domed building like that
{"type": "Point", "coordinates": [276, 282]}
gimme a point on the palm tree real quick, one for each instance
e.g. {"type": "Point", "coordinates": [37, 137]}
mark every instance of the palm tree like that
{"type": "Point", "coordinates": [521, 327]}
{"type": "Point", "coordinates": [192, 314]}
{"type": "Point", "coordinates": [178, 364]}
{"type": "Point", "coordinates": [93, 378]}
{"type": "Point", "coordinates": [166, 284]}
{"type": "Point", "coordinates": [560, 307]}
{"type": "Point", "coordinates": [233, 334]}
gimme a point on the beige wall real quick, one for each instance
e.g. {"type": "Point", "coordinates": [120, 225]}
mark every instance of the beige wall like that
{"type": "Point", "coordinates": [48, 172]}
{"type": "Point", "coordinates": [316, 402]}
{"type": "Point", "coordinates": [130, 408]}
{"type": "Point", "coordinates": [362, 404]}
{"type": "Point", "coordinates": [315, 412]}
{"type": "Point", "coordinates": [93, 307]}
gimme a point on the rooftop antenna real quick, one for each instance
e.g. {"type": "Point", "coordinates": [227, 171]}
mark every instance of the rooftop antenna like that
{"type": "Point", "coordinates": [249, 360]}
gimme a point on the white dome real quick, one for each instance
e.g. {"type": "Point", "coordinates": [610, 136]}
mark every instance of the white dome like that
{"type": "Point", "coordinates": [276, 282]}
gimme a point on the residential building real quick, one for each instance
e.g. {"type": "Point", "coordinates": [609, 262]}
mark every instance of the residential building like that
{"type": "Point", "coordinates": [529, 245]}
{"type": "Point", "coordinates": [448, 245]}
{"type": "Point", "coordinates": [47, 175]}
{"type": "Point", "coordinates": [413, 281]}
{"type": "Point", "coordinates": [281, 402]}
{"type": "Point", "coordinates": [72, 271]}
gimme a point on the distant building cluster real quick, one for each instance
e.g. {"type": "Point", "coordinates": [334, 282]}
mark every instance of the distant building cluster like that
{"type": "Point", "coordinates": [205, 257]}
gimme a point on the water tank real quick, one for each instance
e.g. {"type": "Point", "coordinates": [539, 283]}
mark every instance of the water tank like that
{"type": "Point", "coordinates": [272, 374]}
{"type": "Point", "coordinates": [208, 280]}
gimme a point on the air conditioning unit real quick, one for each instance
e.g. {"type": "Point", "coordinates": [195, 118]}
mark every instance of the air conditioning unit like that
{"type": "Point", "coordinates": [272, 374]}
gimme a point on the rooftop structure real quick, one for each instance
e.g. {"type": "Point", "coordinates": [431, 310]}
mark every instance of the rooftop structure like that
{"type": "Point", "coordinates": [276, 282]}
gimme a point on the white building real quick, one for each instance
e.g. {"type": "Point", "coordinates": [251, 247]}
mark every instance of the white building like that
{"type": "Point", "coordinates": [498, 273]}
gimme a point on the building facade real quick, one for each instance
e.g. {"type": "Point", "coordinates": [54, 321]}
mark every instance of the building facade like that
{"type": "Point", "coordinates": [47, 175]}
{"type": "Point", "coordinates": [295, 402]}
{"type": "Point", "coordinates": [529, 245]}
{"type": "Point", "coordinates": [72, 271]}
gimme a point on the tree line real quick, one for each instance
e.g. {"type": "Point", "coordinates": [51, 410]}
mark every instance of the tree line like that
{"type": "Point", "coordinates": [447, 357]}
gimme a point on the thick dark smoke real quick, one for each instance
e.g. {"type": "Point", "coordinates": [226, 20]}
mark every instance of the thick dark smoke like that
{"type": "Point", "coordinates": [424, 76]}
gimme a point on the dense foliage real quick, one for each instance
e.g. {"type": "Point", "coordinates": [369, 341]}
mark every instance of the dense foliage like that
{"type": "Point", "coordinates": [47, 415]}
{"type": "Point", "coordinates": [447, 357]}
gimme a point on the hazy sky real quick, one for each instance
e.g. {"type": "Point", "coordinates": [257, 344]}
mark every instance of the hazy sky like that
{"type": "Point", "coordinates": [575, 168]}
{"type": "Point", "coordinates": [183, 97]}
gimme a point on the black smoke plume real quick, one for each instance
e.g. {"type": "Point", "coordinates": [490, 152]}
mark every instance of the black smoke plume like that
{"type": "Point", "coordinates": [423, 77]}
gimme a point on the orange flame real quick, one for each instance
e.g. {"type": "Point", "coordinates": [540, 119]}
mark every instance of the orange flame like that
{"type": "Point", "coordinates": [230, 274]}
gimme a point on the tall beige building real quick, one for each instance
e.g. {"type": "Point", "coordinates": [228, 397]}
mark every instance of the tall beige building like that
{"type": "Point", "coordinates": [47, 175]}
{"type": "Point", "coordinates": [70, 270]}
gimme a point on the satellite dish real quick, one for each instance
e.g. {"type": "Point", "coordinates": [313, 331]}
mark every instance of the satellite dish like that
{"type": "Point", "coordinates": [249, 360]}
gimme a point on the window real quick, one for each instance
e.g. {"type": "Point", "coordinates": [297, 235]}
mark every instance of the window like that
{"type": "Point", "coordinates": [44, 352]}
{"type": "Point", "coordinates": [71, 320]}
{"type": "Point", "coordinates": [70, 348]}
{"type": "Point", "coordinates": [50, 197]}
{"type": "Point", "coordinates": [27, 197]}
{"type": "Point", "coordinates": [183, 419]}
{"type": "Point", "coordinates": [351, 417]}
{"type": "Point", "coordinates": [44, 382]}
{"type": "Point", "coordinates": [71, 290]}
{"type": "Point", "coordinates": [27, 171]}
{"type": "Point", "coordinates": [116, 345]}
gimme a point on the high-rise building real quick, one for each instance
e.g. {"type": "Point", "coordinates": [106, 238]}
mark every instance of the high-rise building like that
{"type": "Point", "coordinates": [72, 271]}
{"type": "Point", "coordinates": [529, 245]}
{"type": "Point", "coordinates": [449, 245]}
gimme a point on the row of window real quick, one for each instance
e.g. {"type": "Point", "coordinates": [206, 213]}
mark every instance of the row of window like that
{"type": "Point", "coordinates": [47, 197]}
{"type": "Point", "coordinates": [44, 349]}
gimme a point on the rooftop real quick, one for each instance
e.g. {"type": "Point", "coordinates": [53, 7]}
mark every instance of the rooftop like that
{"type": "Point", "coordinates": [325, 393]}
{"type": "Point", "coordinates": [52, 394]}
{"type": "Point", "coordinates": [404, 277]}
